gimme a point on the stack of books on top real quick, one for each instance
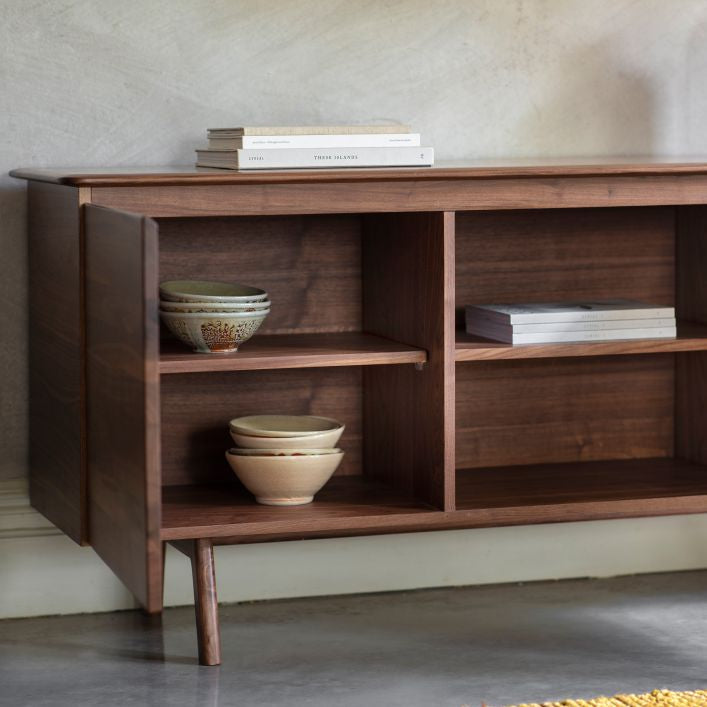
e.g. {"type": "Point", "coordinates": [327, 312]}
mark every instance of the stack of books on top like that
{"type": "Point", "coordinates": [556, 322]}
{"type": "Point", "coordinates": [303, 147]}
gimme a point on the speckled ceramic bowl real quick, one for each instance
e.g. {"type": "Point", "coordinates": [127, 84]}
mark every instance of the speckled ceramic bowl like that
{"type": "Point", "coordinates": [213, 307]}
{"type": "Point", "coordinates": [213, 333]}
{"type": "Point", "coordinates": [277, 479]}
{"type": "Point", "coordinates": [206, 291]}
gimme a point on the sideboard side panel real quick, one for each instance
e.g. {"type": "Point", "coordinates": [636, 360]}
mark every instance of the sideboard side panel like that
{"type": "Point", "coordinates": [57, 478]}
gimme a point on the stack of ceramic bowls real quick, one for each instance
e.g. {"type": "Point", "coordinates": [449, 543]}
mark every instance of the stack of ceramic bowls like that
{"type": "Point", "coordinates": [212, 317]}
{"type": "Point", "coordinates": [283, 460]}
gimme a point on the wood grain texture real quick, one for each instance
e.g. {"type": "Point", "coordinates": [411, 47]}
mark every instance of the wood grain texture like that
{"type": "Point", "coordinates": [310, 266]}
{"type": "Point", "coordinates": [201, 555]}
{"type": "Point", "coordinates": [564, 410]}
{"type": "Point", "coordinates": [196, 410]}
{"type": "Point", "coordinates": [346, 503]}
{"type": "Point", "coordinates": [691, 369]}
{"type": "Point", "coordinates": [408, 295]}
{"type": "Point", "coordinates": [56, 397]}
{"type": "Point", "coordinates": [413, 194]}
{"type": "Point", "coordinates": [265, 352]}
{"type": "Point", "coordinates": [123, 399]}
{"type": "Point", "coordinates": [691, 337]}
{"type": "Point", "coordinates": [643, 165]}
{"type": "Point", "coordinates": [581, 491]}
{"type": "Point", "coordinates": [499, 496]}
{"type": "Point", "coordinates": [546, 256]}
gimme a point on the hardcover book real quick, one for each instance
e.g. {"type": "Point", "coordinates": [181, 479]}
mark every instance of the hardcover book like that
{"type": "Point", "coordinates": [293, 158]}
{"type": "Point", "coordinates": [580, 311]}
{"type": "Point", "coordinates": [249, 142]}
{"type": "Point", "coordinates": [309, 130]}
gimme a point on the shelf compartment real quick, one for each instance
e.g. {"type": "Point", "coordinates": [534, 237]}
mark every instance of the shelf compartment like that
{"type": "Point", "coordinates": [691, 337]}
{"type": "Point", "coordinates": [292, 351]}
{"type": "Point", "coordinates": [548, 493]}
{"type": "Point", "coordinates": [346, 505]}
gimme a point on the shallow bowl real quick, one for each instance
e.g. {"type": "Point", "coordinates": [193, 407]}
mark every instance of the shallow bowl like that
{"type": "Point", "coordinates": [283, 452]}
{"type": "Point", "coordinates": [319, 440]}
{"type": "Point", "coordinates": [207, 291]}
{"type": "Point", "coordinates": [212, 307]}
{"type": "Point", "coordinates": [284, 480]}
{"type": "Point", "coordinates": [213, 333]}
{"type": "Point", "coordinates": [284, 425]}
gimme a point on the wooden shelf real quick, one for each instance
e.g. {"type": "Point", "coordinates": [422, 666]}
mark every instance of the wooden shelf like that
{"type": "Point", "coordinates": [548, 493]}
{"type": "Point", "coordinates": [346, 505]}
{"type": "Point", "coordinates": [292, 351]}
{"type": "Point", "coordinates": [691, 337]}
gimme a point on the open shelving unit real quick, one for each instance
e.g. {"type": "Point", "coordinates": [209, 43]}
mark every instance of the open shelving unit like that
{"type": "Point", "coordinates": [368, 272]}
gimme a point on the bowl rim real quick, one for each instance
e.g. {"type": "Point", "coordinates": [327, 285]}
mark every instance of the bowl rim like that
{"type": "Point", "coordinates": [214, 306]}
{"type": "Point", "coordinates": [236, 427]}
{"type": "Point", "coordinates": [284, 453]}
{"type": "Point", "coordinates": [216, 315]}
{"type": "Point", "coordinates": [169, 289]}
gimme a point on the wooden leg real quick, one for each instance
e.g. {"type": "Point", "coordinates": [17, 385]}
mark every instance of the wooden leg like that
{"type": "Point", "coordinates": [201, 554]}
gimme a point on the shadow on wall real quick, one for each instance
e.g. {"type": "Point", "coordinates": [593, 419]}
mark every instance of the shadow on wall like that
{"type": "Point", "coordinates": [14, 327]}
{"type": "Point", "coordinates": [591, 105]}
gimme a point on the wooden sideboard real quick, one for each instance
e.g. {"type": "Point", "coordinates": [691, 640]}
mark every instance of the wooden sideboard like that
{"type": "Point", "coordinates": [368, 272]}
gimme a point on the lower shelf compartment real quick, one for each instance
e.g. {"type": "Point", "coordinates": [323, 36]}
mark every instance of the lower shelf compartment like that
{"type": "Point", "coordinates": [546, 493]}
{"type": "Point", "coordinates": [486, 497]}
{"type": "Point", "coordinates": [346, 505]}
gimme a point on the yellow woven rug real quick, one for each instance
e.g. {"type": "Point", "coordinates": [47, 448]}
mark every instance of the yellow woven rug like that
{"type": "Point", "coordinates": [657, 698]}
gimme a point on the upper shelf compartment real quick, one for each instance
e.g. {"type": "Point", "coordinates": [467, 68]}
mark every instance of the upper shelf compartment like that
{"type": "Point", "coordinates": [571, 254]}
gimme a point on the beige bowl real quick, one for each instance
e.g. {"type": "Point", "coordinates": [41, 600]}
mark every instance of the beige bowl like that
{"type": "Point", "coordinates": [213, 307]}
{"type": "Point", "coordinates": [290, 480]}
{"type": "Point", "coordinates": [284, 426]}
{"type": "Point", "coordinates": [315, 441]}
{"type": "Point", "coordinates": [207, 291]}
{"type": "Point", "coordinates": [282, 452]}
{"type": "Point", "coordinates": [214, 333]}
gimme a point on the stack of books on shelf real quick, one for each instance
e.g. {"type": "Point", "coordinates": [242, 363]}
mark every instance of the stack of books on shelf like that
{"type": "Point", "coordinates": [558, 322]}
{"type": "Point", "coordinates": [298, 147]}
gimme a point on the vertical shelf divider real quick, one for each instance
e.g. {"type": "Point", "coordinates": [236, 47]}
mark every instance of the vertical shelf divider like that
{"type": "Point", "coordinates": [408, 296]}
{"type": "Point", "coordinates": [691, 305]}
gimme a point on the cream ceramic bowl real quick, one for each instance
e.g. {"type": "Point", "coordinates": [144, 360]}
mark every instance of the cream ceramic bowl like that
{"type": "Point", "coordinates": [212, 307]}
{"type": "Point", "coordinates": [284, 425]}
{"type": "Point", "coordinates": [282, 452]}
{"type": "Point", "coordinates": [317, 441]}
{"type": "Point", "coordinates": [290, 480]}
{"type": "Point", "coordinates": [213, 333]}
{"type": "Point", "coordinates": [206, 291]}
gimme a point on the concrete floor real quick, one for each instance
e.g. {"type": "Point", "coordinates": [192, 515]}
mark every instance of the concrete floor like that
{"type": "Point", "coordinates": [494, 644]}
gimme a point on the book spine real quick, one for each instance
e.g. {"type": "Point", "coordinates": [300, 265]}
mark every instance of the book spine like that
{"type": "Point", "coordinates": [312, 130]}
{"type": "Point", "coordinates": [478, 326]}
{"type": "Point", "coordinates": [269, 142]}
{"type": "Point", "coordinates": [294, 158]}
{"type": "Point", "coordinates": [606, 335]}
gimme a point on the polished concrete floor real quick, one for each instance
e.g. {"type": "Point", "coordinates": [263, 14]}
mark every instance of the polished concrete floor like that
{"type": "Point", "coordinates": [493, 644]}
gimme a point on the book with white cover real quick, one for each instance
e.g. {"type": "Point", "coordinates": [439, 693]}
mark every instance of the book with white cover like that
{"type": "Point", "coordinates": [483, 327]}
{"type": "Point", "coordinates": [549, 337]}
{"type": "Point", "coordinates": [308, 130]}
{"type": "Point", "coordinates": [580, 311]}
{"type": "Point", "coordinates": [294, 158]}
{"type": "Point", "coordinates": [250, 142]}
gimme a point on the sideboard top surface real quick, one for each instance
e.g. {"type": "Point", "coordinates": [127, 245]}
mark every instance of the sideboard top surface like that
{"type": "Point", "coordinates": [479, 169]}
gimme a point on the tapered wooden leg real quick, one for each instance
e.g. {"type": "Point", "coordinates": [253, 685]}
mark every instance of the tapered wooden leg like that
{"type": "Point", "coordinates": [206, 603]}
{"type": "Point", "coordinates": [201, 554]}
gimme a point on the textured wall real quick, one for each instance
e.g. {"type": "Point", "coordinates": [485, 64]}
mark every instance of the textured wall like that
{"type": "Point", "coordinates": [91, 82]}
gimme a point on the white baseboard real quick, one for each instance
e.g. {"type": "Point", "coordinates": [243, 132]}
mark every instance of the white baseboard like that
{"type": "Point", "coordinates": [43, 572]}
